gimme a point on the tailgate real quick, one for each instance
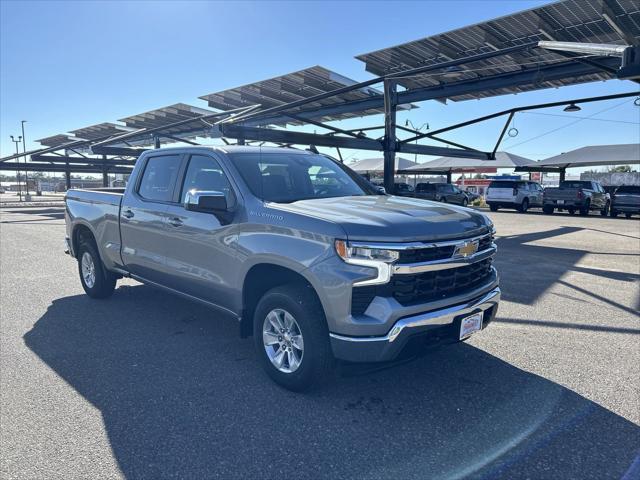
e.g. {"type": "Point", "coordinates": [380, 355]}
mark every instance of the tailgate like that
{"type": "Point", "coordinates": [500, 193]}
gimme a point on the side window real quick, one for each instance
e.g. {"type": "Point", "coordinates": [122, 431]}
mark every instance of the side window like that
{"type": "Point", "coordinates": [205, 174]}
{"type": "Point", "coordinates": [159, 178]}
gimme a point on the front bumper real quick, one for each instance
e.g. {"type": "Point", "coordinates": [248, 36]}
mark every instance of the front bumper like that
{"type": "Point", "coordinates": [441, 325]}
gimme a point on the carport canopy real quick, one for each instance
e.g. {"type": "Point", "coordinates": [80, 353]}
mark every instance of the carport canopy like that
{"type": "Point", "coordinates": [447, 165]}
{"type": "Point", "coordinates": [591, 156]}
{"type": "Point", "coordinates": [377, 165]}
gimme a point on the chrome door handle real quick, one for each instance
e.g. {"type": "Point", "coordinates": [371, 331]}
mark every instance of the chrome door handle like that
{"type": "Point", "coordinates": [127, 214]}
{"type": "Point", "coordinates": [176, 222]}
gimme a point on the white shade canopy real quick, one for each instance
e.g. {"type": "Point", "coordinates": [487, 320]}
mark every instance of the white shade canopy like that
{"type": "Point", "coordinates": [594, 155]}
{"type": "Point", "coordinates": [377, 165]}
{"type": "Point", "coordinates": [452, 164]}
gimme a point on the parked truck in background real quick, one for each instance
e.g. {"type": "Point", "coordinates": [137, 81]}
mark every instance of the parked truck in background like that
{"type": "Point", "coordinates": [625, 199]}
{"type": "Point", "coordinates": [576, 195]}
{"type": "Point", "coordinates": [300, 250]}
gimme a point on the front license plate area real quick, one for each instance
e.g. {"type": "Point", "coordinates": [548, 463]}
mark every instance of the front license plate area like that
{"type": "Point", "coordinates": [470, 324]}
{"type": "Point", "coordinates": [560, 202]}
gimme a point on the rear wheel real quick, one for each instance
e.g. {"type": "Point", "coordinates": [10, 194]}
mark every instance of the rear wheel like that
{"type": "Point", "coordinates": [443, 199]}
{"type": "Point", "coordinates": [571, 211]}
{"type": "Point", "coordinates": [291, 337]}
{"type": "Point", "coordinates": [628, 215]}
{"type": "Point", "coordinates": [605, 211]}
{"type": "Point", "coordinates": [96, 280]}
{"type": "Point", "coordinates": [584, 211]}
{"type": "Point", "coordinates": [547, 209]}
{"type": "Point", "coordinates": [465, 202]}
{"type": "Point", "coordinates": [613, 213]}
{"type": "Point", "coordinates": [524, 206]}
{"type": "Point", "coordinates": [493, 208]}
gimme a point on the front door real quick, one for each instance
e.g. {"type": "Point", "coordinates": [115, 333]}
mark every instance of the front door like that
{"type": "Point", "coordinates": [143, 216]}
{"type": "Point", "coordinates": [199, 248]}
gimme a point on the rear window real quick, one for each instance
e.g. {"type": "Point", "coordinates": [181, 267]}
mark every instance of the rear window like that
{"type": "Point", "coordinates": [505, 184]}
{"type": "Point", "coordinates": [159, 178]}
{"type": "Point", "coordinates": [629, 189]}
{"type": "Point", "coordinates": [425, 187]}
{"type": "Point", "coordinates": [575, 185]}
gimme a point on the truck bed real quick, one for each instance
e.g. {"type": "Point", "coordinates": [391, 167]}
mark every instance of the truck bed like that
{"type": "Point", "coordinates": [98, 209]}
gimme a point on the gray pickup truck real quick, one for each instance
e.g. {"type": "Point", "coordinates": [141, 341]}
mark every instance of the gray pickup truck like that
{"type": "Point", "coordinates": [299, 249]}
{"type": "Point", "coordinates": [576, 195]}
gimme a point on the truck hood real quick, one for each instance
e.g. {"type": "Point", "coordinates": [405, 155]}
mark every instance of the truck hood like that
{"type": "Point", "coordinates": [391, 218]}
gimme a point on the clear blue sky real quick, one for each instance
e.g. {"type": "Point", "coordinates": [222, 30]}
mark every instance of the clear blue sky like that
{"type": "Point", "coordinates": [66, 65]}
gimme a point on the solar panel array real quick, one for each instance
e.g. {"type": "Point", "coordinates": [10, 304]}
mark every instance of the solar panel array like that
{"type": "Point", "coordinates": [589, 21]}
{"type": "Point", "coordinates": [295, 86]}
{"type": "Point", "coordinates": [597, 21]}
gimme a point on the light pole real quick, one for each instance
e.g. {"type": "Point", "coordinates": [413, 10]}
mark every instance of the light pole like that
{"type": "Point", "coordinates": [17, 171]}
{"type": "Point", "coordinates": [408, 123]}
{"type": "Point", "coordinates": [24, 150]}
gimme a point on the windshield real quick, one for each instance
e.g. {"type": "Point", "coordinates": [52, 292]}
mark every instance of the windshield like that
{"type": "Point", "coordinates": [286, 177]}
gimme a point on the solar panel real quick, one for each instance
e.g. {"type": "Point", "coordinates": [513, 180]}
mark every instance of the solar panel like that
{"type": "Point", "coordinates": [98, 131]}
{"type": "Point", "coordinates": [589, 21]}
{"type": "Point", "coordinates": [292, 87]}
{"type": "Point", "coordinates": [171, 114]}
{"type": "Point", "coordinates": [56, 140]}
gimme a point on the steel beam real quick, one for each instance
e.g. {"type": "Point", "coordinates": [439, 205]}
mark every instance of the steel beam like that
{"type": "Point", "coordinates": [390, 140]}
{"type": "Point", "coordinates": [124, 151]}
{"type": "Point", "coordinates": [48, 167]}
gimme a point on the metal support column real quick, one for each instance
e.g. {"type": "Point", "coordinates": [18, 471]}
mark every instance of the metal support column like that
{"type": "Point", "coordinates": [390, 141]}
{"type": "Point", "coordinates": [105, 175]}
{"type": "Point", "coordinates": [67, 176]}
{"type": "Point", "coordinates": [563, 172]}
{"type": "Point", "coordinates": [449, 176]}
{"type": "Point", "coordinates": [156, 141]}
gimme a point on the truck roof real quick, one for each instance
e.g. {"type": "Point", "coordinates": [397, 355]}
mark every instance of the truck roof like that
{"type": "Point", "coordinates": [234, 149]}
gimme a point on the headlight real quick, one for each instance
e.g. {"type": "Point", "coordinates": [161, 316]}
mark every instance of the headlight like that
{"type": "Point", "coordinates": [346, 252]}
{"type": "Point", "coordinates": [366, 256]}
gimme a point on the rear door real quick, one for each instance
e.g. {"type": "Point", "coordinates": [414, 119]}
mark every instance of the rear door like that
{"type": "Point", "coordinates": [201, 260]}
{"type": "Point", "coordinates": [144, 213]}
{"type": "Point", "coordinates": [535, 194]}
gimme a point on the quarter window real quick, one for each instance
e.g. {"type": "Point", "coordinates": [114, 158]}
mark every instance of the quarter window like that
{"type": "Point", "coordinates": [159, 178]}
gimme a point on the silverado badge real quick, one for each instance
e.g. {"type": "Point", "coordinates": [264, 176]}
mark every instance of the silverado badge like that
{"type": "Point", "coordinates": [465, 249]}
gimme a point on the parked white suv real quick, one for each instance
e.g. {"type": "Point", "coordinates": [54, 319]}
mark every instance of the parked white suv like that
{"type": "Point", "coordinates": [518, 194]}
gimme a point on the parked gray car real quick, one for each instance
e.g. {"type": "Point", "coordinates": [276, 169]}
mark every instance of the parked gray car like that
{"type": "Point", "coordinates": [442, 192]}
{"type": "Point", "coordinates": [296, 247]}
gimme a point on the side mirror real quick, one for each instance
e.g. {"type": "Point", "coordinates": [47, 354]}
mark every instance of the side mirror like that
{"type": "Point", "coordinates": [208, 201]}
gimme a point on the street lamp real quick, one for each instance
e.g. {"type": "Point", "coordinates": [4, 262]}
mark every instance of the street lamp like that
{"type": "Point", "coordinates": [24, 150]}
{"type": "Point", "coordinates": [17, 141]}
{"type": "Point", "coordinates": [408, 123]}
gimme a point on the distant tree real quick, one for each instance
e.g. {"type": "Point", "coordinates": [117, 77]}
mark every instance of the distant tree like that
{"type": "Point", "coordinates": [620, 168]}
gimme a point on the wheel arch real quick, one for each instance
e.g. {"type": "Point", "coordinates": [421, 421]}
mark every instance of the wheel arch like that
{"type": "Point", "coordinates": [261, 278]}
{"type": "Point", "coordinates": [81, 232]}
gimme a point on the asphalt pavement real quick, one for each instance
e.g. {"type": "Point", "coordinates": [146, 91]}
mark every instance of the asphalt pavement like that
{"type": "Point", "coordinates": [146, 385]}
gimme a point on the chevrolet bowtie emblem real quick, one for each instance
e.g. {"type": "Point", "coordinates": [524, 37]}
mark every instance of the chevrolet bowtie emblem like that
{"type": "Point", "coordinates": [465, 249]}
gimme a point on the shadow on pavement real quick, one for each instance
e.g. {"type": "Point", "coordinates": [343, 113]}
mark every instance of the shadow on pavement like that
{"type": "Point", "coordinates": [182, 396]}
{"type": "Point", "coordinates": [49, 214]}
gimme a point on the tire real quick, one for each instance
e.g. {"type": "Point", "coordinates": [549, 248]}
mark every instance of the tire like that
{"type": "Point", "coordinates": [315, 358]}
{"type": "Point", "coordinates": [584, 211]}
{"type": "Point", "coordinates": [571, 211]}
{"type": "Point", "coordinates": [493, 208]}
{"type": "Point", "coordinates": [524, 206]}
{"type": "Point", "coordinates": [627, 215]}
{"type": "Point", "coordinates": [465, 202]}
{"type": "Point", "coordinates": [443, 199]}
{"type": "Point", "coordinates": [96, 280]}
{"type": "Point", "coordinates": [547, 209]}
{"type": "Point", "coordinates": [613, 213]}
{"type": "Point", "coordinates": [605, 211]}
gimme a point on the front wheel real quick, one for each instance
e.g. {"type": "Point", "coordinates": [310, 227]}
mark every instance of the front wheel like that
{"type": "Point", "coordinates": [584, 211]}
{"type": "Point", "coordinates": [571, 211]}
{"type": "Point", "coordinates": [465, 202]}
{"type": "Point", "coordinates": [443, 199]}
{"type": "Point", "coordinates": [291, 337]}
{"type": "Point", "coordinates": [96, 280]}
{"type": "Point", "coordinates": [613, 213]}
{"type": "Point", "coordinates": [605, 211]}
{"type": "Point", "coordinates": [524, 206]}
{"type": "Point", "coordinates": [493, 207]}
{"type": "Point", "coordinates": [627, 215]}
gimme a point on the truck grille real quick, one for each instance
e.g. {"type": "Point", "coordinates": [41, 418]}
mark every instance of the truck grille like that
{"type": "Point", "coordinates": [430, 254]}
{"type": "Point", "coordinates": [424, 287]}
